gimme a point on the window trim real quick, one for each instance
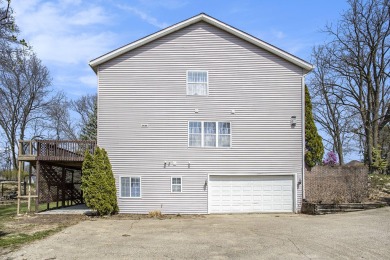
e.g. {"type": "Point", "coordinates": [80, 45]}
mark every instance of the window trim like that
{"type": "Point", "coordinates": [120, 186]}
{"type": "Point", "coordinates": [207, 83]}
{"type": "Point", "coordinates": [202, 132]}
{"type": "Point", "coordinates": [181, 184]}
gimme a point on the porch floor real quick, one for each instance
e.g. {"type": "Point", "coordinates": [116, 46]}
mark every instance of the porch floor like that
{"type": "Point", "coordinates": [80, 209]}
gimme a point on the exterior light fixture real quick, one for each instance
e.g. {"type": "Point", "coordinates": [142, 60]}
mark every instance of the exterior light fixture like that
{"type": "Point", "coordinates": [293, 121]}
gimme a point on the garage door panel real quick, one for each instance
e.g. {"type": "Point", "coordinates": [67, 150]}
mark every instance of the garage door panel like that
{"type": "Point", "coordinates": [251, 194]}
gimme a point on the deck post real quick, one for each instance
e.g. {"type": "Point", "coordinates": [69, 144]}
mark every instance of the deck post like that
{"type": "Point", "coordinates": [19, 186]}
{"type": "Point", "coordinates": [29, 188]}
{"type": "Point", "coordinates": [38, 168]}
{"type": "Point", "coordinates": [63, 187]}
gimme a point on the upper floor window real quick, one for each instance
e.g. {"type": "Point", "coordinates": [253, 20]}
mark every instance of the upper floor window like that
{"type": "Point", "coordinates": [197, 83]}
{"type": "Point", "coordinates": [209, 134]}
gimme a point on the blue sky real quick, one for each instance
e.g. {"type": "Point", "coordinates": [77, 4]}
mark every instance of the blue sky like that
{"type": "Point", "coordinates": [67, 34]}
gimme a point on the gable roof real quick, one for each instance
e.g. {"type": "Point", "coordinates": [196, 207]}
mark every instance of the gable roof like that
{"type": "Point", "coordinates": [208, 19]}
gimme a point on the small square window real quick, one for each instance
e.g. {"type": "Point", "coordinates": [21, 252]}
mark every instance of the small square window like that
{"type": "Point", "coordinates": [197, 83]}
{"type": "Point", "coordinates": [130, 187]}
{"type": "Point", "coordinates": [176, 184]}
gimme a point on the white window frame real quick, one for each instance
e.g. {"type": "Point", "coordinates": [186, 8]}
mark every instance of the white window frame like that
{"type": "Point", "coordinates": [120, 187]}
{"type": "Point", "coordinates": [207, 83]}
{"type": "Point", "coordinates": [202, 132]}
{"type": "Point", "coordinates": [216, 134]}
{"type": "Point", "coordinates": [181, 184]}
{"type": "Point", "coordinates": [230, 135]}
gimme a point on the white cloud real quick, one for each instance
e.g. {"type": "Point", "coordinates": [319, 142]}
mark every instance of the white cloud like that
{"type": "Point", "coordinates": [144, 16]}
{"type": "Point", "coordinates": [169, 4]}
{"type": "Point", "coordinates": [62, 31]}
{"type": "Point", "coordinates": [89, 80]}
{"type": "Point", "coordinates": [72, 49]}
{"type": "Point", "coordinates": [278, 34]}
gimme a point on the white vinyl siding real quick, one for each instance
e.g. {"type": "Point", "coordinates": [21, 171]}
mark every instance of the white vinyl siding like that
{"type": "Point", "coordinates": [130, 187]}
{"type": "Point", "coordinates": [148, 86]}
{"type": "Point", "coordinates": [176, 184]}
{"type": "Point", "coordinates": [197, 83]}
{"type": "Point", "coordinates": [209, 134]}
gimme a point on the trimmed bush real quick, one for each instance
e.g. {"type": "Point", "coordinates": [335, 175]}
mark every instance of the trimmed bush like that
{"type": "Point", "coordinates": [98, 186]}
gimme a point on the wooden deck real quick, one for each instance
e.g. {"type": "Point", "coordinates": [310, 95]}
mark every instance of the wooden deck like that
{"type": "Point", "coordinates": [54, 150]}
{"type": "Point", "coordinates": [54, 169]}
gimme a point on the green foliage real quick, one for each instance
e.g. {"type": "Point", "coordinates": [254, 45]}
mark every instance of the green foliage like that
{"type": "Point", "coordinates": [379, 181]}
{"type": "Point", "coordinates": [87, 170]}
{"type": "Point", "coordinates": [379, 164]}
{"type": "Point", "coordinates": [98, 186]}
{"type": "Point", "coordinates": [313, 141]}
{"type": "Point", "coordinates": [12, 174]}
{"type": "Point", "coordinates": [89, 131]}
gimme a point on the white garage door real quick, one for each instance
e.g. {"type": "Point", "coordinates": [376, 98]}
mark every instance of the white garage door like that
{"type": "Point", "coordinates": [229, 194]}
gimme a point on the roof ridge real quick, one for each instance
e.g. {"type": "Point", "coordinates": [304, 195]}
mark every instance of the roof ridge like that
{"type": "Point", "coordinates": [194, 19]}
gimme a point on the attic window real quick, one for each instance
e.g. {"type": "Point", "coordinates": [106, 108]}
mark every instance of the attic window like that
{"type": "Point", "coordinates": [197, 83]}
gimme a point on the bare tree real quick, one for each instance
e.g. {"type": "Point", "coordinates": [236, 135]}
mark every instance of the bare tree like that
{"type": "Point", "coordinates": [24, 91]}
{"type": "Point", "coordinates": [85, 108]}
{"type": "Point", "coordinates": [357, 58]}
{"type": "Point", "coordinates": [8, 31]}
{"type": "Point", "coordinates": [59, 122]}
{"type": "Point", "coordinates": [336, 120]}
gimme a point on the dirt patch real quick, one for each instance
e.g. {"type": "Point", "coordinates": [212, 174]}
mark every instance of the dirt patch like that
{"type": "Point", "coordinates": [16, 231]}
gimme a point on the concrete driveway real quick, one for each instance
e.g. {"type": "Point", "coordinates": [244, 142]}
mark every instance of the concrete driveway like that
{"type": "Point", "coordinates": [363, 235]}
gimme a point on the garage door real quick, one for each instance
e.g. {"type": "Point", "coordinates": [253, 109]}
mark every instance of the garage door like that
{"type": "Point", "coordinates": [230, 194]}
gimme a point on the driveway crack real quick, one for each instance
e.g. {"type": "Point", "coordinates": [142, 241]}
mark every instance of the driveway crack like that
{"type": "Point", "coordinates": [132, 224]}
{"type": "Point", "coordinates": [300, 251]}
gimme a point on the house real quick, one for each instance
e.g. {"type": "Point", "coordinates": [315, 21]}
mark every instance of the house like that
{"type": "Point", "coordinates": [202, 118]}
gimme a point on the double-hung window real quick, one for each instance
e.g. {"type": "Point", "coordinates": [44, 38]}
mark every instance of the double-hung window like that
{"type": "Point", "coordinates": [195, 134]}
{"type": "Point", "coordinates": [130, 187]}
{"type": "Point", "coordinates": [176, 184]}
{"type": "Point", "coordinates": [197, 83]}
{"type": "Point", "coordinates": [209, 134]}
{"type": "Point", "coordinates": [223, 134]}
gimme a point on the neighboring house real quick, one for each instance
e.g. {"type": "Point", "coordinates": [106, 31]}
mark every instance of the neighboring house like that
{"type": "Point", "coordinates": [203, 118]}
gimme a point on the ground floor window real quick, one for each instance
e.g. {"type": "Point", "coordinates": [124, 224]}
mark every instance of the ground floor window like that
{"type": "Point", "coordinates": [176, 184]}
{"type": "Point", "coordinates": [130, 187]}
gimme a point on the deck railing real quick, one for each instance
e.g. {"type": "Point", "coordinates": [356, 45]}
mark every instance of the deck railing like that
{"type": "Point", "coordinates": [55, 149]}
